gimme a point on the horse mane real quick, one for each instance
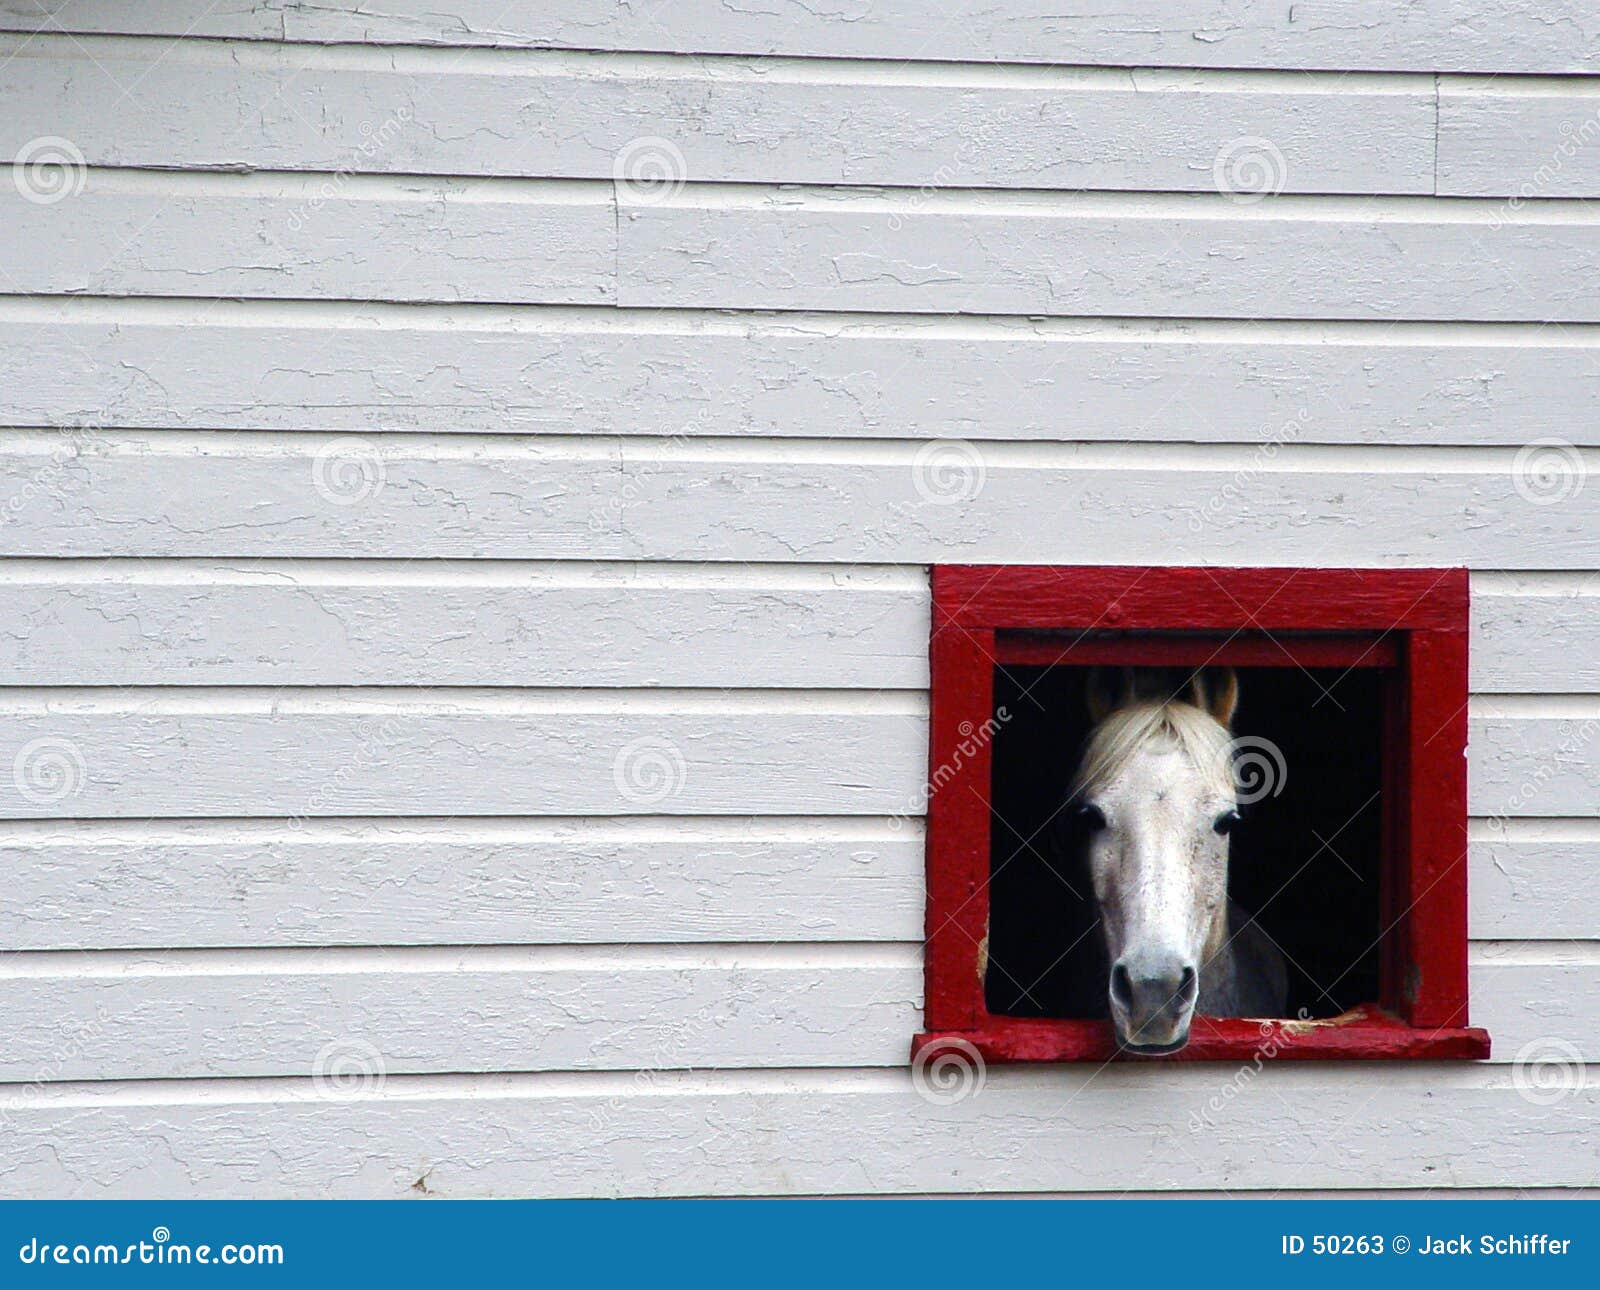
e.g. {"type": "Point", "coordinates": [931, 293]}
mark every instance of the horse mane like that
{"type": "Point", "coordinates": [1202, 739]}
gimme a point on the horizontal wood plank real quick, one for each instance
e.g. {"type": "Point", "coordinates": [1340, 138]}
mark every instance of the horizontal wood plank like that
{"type": "Point", "coordinates": [830, 1133]}
{"type": "Point", "coordinates": [908, 377]}
{"type": "Point", "coordinates": [611, 1015]}
{"type": "Point", "coordinates": [498, 883]}
{"type": "Point", "coordinates": [1339, 35]}
{"type": "Point", "coordinates": [394, 1013]}
{"type": "Point", "coordinates": [457, 886]}
{"type": "Point", "coordinates": [1544, 766]}
{"type": "Point", "coordinates": [570, 117]}
{"type": "Point", "coordinates": [98, 494]}
{"type": "Point", "coordinates": [324, 238]}
{"type": "Point", "coordinates": [1534, 887]}
{"type": "Point", "coordinates": [362, 238]}
{"type": "Point", "coordinates": [203, 623]}
{"type": "Point", "coordinates": [1493, 141]}
{"type": "Point", "coordinates": [1185, 257]}
{"type": "Point", "coordinates": [389, 761]}
{"type": "Point", "coordinates": [462, 757]}
{"type": "Point", "coordinates": [265, 628]}
{"type": "Point", "coordinates": [488, 883]}
{"type": "Point", "coordinates": [1538, 641]}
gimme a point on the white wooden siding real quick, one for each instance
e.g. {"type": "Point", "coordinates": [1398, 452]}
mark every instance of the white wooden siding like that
{"type": "Point", "coordinates": [773, 121]}
{"type": "Point", "coordinates": [286, 754]}
{"type": "Point", "coordinates": [1177, 255]}
{"type": "Point", "coordinates": [262, 235]}
{"type": "Point", "coordinates": [144, 884]}
{"type": "Point", "coordinates": [1440, 35]}
{"type": "Point", "coordinates": [104, 493]}
{"type": "Point", "coordinates": [808, 1133]}
{"type": "Point", "coordinates": [194, 1014]}
{"type": "Point", "coordinates": [177, 365]}
{"type": "Point", "coordinates": [209, 753]}
{"type": "Point", "coordinates": [506, 623]}
{"type": "Point", "coordinates": [148, 884]}
{"type": "Point", "coordinates": [380, 463]}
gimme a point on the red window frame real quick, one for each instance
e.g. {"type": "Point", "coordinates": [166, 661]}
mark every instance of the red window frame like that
{"type": "Point", "coordinates": [1410, 623]}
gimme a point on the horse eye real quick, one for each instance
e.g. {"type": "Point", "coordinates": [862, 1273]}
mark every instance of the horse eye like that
{"type": "Point", "coordinates": [1092, 817]}
{"type": "Point", "coordinates": [1225, 822]}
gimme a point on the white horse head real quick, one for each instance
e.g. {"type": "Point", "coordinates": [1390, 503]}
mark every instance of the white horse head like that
{"type": "Point", "coordinates": [1156, 792]}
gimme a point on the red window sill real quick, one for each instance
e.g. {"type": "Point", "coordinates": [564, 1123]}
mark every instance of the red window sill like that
{"type": "Point", "coordinates": [1363, 1034]}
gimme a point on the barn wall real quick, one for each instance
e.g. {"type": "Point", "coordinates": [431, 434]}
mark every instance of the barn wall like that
{"type": "Point", "coordinates": [465, 609]}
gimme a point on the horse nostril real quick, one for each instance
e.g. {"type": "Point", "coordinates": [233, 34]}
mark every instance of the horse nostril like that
{"type": "Point", "coordinates": [1121, 986]}
{"type": "Point", "coordinates": [1153, 986]}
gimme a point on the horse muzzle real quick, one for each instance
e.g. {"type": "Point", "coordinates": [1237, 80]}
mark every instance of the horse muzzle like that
{"type": "Point", "coordinates": [1153, 998]}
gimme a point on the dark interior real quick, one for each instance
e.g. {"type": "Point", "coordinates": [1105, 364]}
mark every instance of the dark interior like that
{"type": "Point", "coordinates": [1305, 862]}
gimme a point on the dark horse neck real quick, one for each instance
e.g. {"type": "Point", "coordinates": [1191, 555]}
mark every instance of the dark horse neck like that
{"type": "Point", "coordinates": [1246, 977]}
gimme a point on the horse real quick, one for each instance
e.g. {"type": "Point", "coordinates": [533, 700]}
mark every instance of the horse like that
{"type": "Point", "coordinates": [1157, 795]}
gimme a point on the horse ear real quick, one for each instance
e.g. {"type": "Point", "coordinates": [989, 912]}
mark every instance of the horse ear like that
{"type": "Point", "coordinates": [1100, 694]}
{"type": "Point", "coordinates": [1217, 693]}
